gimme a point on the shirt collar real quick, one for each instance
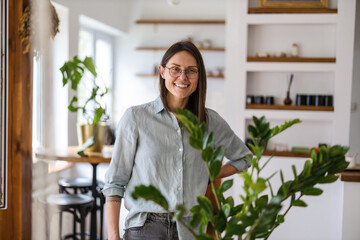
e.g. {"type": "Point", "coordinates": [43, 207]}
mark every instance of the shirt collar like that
{"type": "Point", "coordinates": [158, 105]}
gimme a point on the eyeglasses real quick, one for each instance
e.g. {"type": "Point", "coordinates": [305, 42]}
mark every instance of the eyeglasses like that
{"type": "Point", "coordinates": [176, 72]}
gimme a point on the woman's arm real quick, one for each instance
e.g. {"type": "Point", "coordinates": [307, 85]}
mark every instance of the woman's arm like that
{"type": "Point", "coordinates": [227, 170]}
{"type": "Point", "coordinates": [112, 207]}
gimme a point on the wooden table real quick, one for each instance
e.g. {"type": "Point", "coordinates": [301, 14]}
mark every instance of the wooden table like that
{"type": "Point", "coordinates": [70, 155]}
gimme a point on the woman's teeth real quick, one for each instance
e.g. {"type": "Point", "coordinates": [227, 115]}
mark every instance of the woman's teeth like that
{"type": "Point", "coordinates": [181, 85]}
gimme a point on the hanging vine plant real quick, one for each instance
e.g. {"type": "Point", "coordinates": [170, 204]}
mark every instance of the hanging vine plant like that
{"type": "Point", "coordinates": [29, 24]}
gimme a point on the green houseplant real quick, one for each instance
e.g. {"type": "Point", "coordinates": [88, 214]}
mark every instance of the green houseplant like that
{"type": "Point", "coordinates": [93, 132]}
{"type": "Point", "coordinates": [260, 211]}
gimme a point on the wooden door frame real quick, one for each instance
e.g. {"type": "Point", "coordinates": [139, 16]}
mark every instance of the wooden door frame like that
{"type": "Point", "coordinates": [15, 221]}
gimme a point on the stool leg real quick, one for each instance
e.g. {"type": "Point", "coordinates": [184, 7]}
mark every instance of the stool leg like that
{"type": "Point", "coordinates": [82, 211]}
{"type": "Point", "coordinates": [102, 200]}
{"type": "Point", "coordinates": [60, 224]}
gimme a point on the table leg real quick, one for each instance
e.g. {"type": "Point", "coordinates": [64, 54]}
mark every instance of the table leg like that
{"type": "Point", "coordinates": [93, 228]}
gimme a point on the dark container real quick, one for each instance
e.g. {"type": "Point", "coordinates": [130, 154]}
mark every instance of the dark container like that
{"type": "Point", "coordinates": [269, 100]}
{"type": "Point", "coordinates": [300, 99]}
{"type": "Point", "coordinates": [250, 99]}
{"type": "Point", "coordinates": [259, 99]}
{"type": "Point", "coordinates": [310, 100]}
{"type": "Point", "coordinates": [329, 100]}
{"type": "Point", "coordinates": [319, 100]}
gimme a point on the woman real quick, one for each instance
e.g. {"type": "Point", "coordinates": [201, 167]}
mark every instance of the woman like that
{"type": "Point", "coordinates": [152, 148]}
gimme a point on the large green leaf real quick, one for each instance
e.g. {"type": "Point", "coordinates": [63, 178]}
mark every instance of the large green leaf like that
{"type": "Point", "coordinates": [150, 193]}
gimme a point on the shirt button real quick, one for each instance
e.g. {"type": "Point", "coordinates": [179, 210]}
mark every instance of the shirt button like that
{"type": "Point", "coordinates": [179, 169]}
{"type": "Point", "coordinates": [178, 131]}
{"type": "Point", "coordinates": [180, 149]}
{"type": "Point", "coordinates": [179, 188]}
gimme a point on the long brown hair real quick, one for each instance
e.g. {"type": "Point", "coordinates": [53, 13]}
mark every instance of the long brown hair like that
{"type": "Point", "coordinates": [196, 103]}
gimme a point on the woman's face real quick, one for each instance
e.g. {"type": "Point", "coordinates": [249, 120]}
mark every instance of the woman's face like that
{"type": "Point", "coordinates": [180, 85]}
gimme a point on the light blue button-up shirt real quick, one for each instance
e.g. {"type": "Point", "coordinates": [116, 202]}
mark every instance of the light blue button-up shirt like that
{"type": "Point", "coordinates": [151, 148]}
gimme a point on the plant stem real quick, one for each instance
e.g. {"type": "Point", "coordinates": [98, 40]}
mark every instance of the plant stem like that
{"type": "Point", "coordinates": [183, 224]}
{"type": "Point", "coordinates": [277, 224]}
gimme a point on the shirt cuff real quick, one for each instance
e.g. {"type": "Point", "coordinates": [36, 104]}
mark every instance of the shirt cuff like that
{"type": "Point", "coordinates": [113, 191]}
{"type": "Point", "coordinates": [241, 164]}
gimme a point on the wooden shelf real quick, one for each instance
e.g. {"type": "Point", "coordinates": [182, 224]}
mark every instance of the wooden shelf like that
{"type": "Point", "coordinates": [167, 21]}
{"type": "Point", "coordinates": [156, 75]}
{"type": "Point", "coordinates": [291, 59]}
{"type": "Point", "coordinates": [350, 175]}
{"type": "Point", "coordinates": [290, 107]}
{"type": "Point", "coordinates": [165, 48]}
{"type": "Point", "coordinates": [292, 10]}
{"type": "Point", "coordinates": [286, 154]}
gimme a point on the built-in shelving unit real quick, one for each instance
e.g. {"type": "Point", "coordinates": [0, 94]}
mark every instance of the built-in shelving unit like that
{"type": "Point", "coordinates": [290, 107]}
{"type": "Point", "coordinates": [320, 69]}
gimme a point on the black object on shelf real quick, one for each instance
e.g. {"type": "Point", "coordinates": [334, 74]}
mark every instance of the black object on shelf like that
{"type": "Point", "coordinates": [250, 99]}
{"type": "Point", "coordinates": [269, 100]}
{"type": "Point", "coordinates": [319, 100]}
{"type": "Point", "coordinates": [329, 100]}
{"type": "Point", "coordinates": [310, 100]}
{"type": "Point", "coordinates": [259, 100]}
{"type": "Point", "coordinates": [300, 99]}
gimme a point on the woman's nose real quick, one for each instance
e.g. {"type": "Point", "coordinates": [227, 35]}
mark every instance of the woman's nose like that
{"type": "Point", "coordinates": [183, 75]}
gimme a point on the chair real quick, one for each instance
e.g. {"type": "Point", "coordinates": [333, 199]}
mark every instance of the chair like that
{"type": "Point", "coordinates": [78, 205]}
{"type": "Point", "coordinates": [84, 185]}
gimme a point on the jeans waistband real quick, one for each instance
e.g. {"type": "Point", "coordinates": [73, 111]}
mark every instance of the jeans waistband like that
{"type": "Point", "coordinates": [159, 216]}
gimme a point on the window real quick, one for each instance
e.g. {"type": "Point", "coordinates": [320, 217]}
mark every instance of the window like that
{"type": "Point", "coordinates": [99, 46]}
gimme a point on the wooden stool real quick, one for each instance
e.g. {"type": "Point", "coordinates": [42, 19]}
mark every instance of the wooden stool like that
{"type": "Point", "coordinates": [74, 204]}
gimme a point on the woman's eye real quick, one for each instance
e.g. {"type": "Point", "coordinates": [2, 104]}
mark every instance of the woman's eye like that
{"type": "Point", "coordinates": [192, 70]}
{"type": "Point", "coordinates": [176, 69]}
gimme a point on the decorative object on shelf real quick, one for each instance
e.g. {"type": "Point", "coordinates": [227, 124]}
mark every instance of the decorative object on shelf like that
{"type": "Point", "coordinates": [329, 100]}
{"type": "Point", "coordinates": [310, 100]}
{"type": "Point", "coordinates": [250, 99]}
{"type": "Point", "coordinates": [207, 43]}
{"type": "Point", "coordinates": [259, 99]}
{"type": "Point", "coordinates": [300, 99]}
{"type": "Point", "coordinates": [173, 2]}
{"type": "Point", "coordinates": [351, 159]}
{"type": "Point", "coordinates": [29, 24]}
{"type": "Point", "coordinates": [269, 100]}
{"type": "Point", "coordinates": [296, 149]}
{"type": "Point", "coordinates": [293, 4]}
{"type": "Point", "coordinates": [294, 50]}
{"type": "Point", "coordinates": [319, 100]}
{"type": "Point", "coordinates": [92, 134]}
{"type": "Point", "coordinates": [288, 100]}
{"type": "Point", "coordinates": [262, 55]}
{"type": "Point", "coordinates": [280, 55]}
{"type": "Point", "coordinates": [281, 147]}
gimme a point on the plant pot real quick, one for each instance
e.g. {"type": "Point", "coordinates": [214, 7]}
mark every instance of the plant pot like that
{"type": "Point", "coordinates": [85, 131]}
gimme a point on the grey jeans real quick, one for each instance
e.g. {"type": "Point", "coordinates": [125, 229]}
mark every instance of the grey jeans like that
{"type": "Point", "coordinates": [158, 226]}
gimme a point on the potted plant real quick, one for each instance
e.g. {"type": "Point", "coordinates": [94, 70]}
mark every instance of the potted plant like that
{"type": "Point", "coordinates": [263, 208]}
{"type": "Point", "coordinates": [93, 132]}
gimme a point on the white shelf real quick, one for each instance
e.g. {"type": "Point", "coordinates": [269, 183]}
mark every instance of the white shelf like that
{"type": "Point", "coordinates": [291, 18]}
{"type": "Point", "coordinates": [288, 67]}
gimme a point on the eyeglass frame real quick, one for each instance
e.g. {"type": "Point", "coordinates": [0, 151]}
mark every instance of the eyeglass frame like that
{"type": "Point", "coordinates": [181, 71]}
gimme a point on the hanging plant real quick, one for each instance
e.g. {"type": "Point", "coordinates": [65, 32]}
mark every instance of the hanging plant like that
{"type": "Point", "coordinates": [29, 22]}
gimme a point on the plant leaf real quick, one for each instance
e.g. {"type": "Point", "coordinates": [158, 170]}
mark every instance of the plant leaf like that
{"type": "Point", "coordinates": [298, 203]}
{"type": "Point", "coordinates": [150, 193]}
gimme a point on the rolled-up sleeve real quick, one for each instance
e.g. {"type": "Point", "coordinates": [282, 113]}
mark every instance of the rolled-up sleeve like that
{"type": "Point", "coordinates": [235, 149]}
{"type": "Point", "coordinates": [119, 172]}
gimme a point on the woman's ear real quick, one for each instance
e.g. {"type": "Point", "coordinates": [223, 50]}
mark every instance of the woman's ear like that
{"type": "Point", "coordinates": [161, 71]}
